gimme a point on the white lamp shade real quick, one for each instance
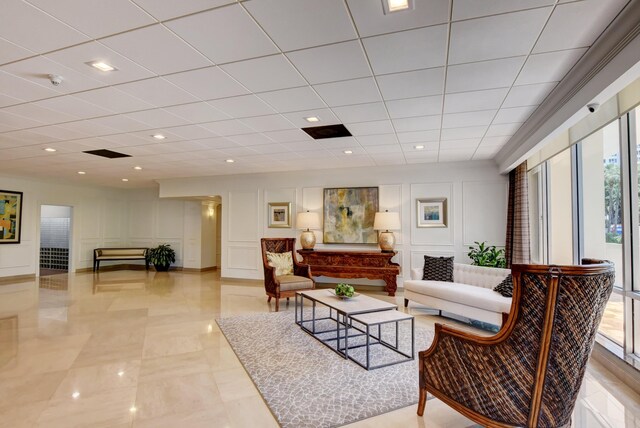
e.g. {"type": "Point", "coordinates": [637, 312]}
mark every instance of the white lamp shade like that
{"type": "Point", "coordinates": [386, 221]}
{"type": "Point", "coordinates": [308, 220]}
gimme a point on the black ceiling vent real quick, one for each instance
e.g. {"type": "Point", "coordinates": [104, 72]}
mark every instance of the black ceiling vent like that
{"type": "Point", "coordinates": [107, 154]}
{"type": "Point", "coordinates": [329, 131]}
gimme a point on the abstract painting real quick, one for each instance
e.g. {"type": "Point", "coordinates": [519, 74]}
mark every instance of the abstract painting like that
{"type": "Point", "coordinates": [10, 216]}
{"type": "Point", "coordinates": [280, 214]}
{"type": "Point", "coordinates": [349, 214]}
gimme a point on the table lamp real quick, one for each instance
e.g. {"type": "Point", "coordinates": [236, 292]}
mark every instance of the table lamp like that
{"type": "Point", "coordinates": [386, 221]}
{"type": "Point", "coordinates": [308, 220]}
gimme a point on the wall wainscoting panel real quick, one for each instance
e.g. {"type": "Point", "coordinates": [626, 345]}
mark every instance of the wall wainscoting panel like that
{"type": "Point", "coordinates": [90, 219]}
{"type": "Point", "coordinates": [417, 258]}
{"type": "Point", "coordinates": [242, 257]}
{"type": "Point", "coordinates": [242, 215]}
{"type": "Point", "coordinates": [433, 235]}
{"type": "Point", "coordinates": [114, 219]}
{"type": "Point", "coordinates": [170, 219]}
{"type": "Point", "coordinates": [484, 208]}
{"type": "Point", "coordinates": [87, 246]}
{"type": "Point", "coordinates": [141, 219]}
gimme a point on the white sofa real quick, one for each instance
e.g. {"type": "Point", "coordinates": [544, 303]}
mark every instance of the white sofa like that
{"type": "Point", "coordinates": [470, 295]}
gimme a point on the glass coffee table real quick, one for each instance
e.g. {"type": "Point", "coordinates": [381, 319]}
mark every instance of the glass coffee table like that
{"type": "Point", "coordinates": [351, 324]}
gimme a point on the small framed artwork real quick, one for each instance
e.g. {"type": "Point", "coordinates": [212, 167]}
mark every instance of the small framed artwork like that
{"type": "Point", "coordinates": [10, 216]}
{"type": "Point", "coordinates": [280, 214]}
{"type": "Point", "coordinates": [432, 212]}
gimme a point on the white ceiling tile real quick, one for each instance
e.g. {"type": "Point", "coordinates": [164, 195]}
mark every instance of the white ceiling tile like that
{"type": "Point", "coordinates": [6, 100]}
{"type": "Point", "coordinates": [361, 112]}
{"type": "Point", "coordinates": [74, 106]}
{"type": "Point", "coordinates": [296, 99]}
{"type": "Point", "coordinates": [28, 137]}
{"type": "Point", "coordinates": [212, 32]}
{"type": "Point", "coordinates": [242, 106]}
{"type": "Point", "coordinates": [14, 121]}
{"type": "Point", "coordinates": [331, 63]}
{"type": "Point", "coordinates": [254, 139]}
{"type": "Point", "coordinates": [96, 18]}
{"type": "Point", "coordinates": [506, 129]}
{"type": "Point", "coordinates": [302, 146]}
{"type": "Point", "coordinates": [41, 114]}
{"type": "Point", "coordinates": [577, 25]}
{"type": "Point", "coordinates": [407, 50]}
{"type": "Point", "coordinates": [157, 49]}
{"type": "Point", "coordinates": [388, 159]}
{"type": "Point", "coordinates": [528, 95]}
{"type": "Point", "coordinates": [288, 135]}
{"type": "Point", "coordinates": [486, 153]}
{"type": "Point", "coordinates": [157, 118]}
{"type": "Point", "coordinates": [238, 151]}
{"type": "Point", "coordinates": [207, 83]}
{"type": "Point", "coordinates": [23, 89]}
{"type": "Point", "coordinates": [424, 106]}
{"type": "Point", "coordinates": [419, 123]}
{"type": "Point", "coordinates": [89, 128]}
{"type": "Point", "coordinates": [377, 140]}
{"type": "Point", "coordinates": [411, 84]}
{"type": "Point", "coordinates": [268, 123]}
{"type": "Point", "coordinates": [158, 92]}
{"type": "Point", "coordinates": [483, 75]}
{"type": "Point", "coordinates": [114, 99]}
{"type": "Point", "coordinates": [338, 143]}
{"type": "Point", "coordinates": [217, 143]}
{"type": "Point", "coordinates": [12, 52]}
{"type": "Point", "coordinates": [228, 127]}
{"type": "Point", "coordinates": [419, 136]}
{"type": "Point", "coordinates": [494, 141]}
{"type": "Point", "coordinates": [465, 9]}
{"type": "Point", "coordinates": [192, 132]}
{"type": "Point", "coordinates": [32, 29]}
{"type": "Point", "coordinates": [429, 147]}
{"type": "Point", "coordinates": [463, 133]}
{"type": "Point", "coordinates": [370, 19]}
{"type": "Point", "coordinates": [386, 148]}
{"type": "Point", "coordinates": [120, 122]}
{"type": "Point", "coordinates": [496, 36]}
{"type": "Point", "coordinates": [271, 148]}
{"type": "Point", "coordinates": [468, 143]}
{"type": "Point", "coordinates": [357, 91]}
{"type": "Point", "coordinates": [58, 132]}
{"type": "Point", "coordinates": [325, 115]}
{"type": "Point", "coordinates": [77, 58]}
{"type": "Point", "coordinates": [473, 101]}
{"type": "Point", "coordinates": [455, 155]}
{"type": "Point", "coordinates": [513, 115]}
{"type": "Point", "coordinates": [298, 24]}
{"type": "Point", "coordinates": [476, 118]}
{"type": "Point", "coordinates": [371, 128]}
{"type": "Point", "coordinates": [548, 67]}
{"type": "Point", "coordinates": [197, 112]}
{"type": "Point", "coordinates": [265, 74]}
{"type": "Point", "coordinates": [171, 9]}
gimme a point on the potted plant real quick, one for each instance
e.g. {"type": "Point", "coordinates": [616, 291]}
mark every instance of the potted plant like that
{"type": "Point", "coordinates": [487, 255]}
{"type": "Point", "coordinates": [162, 256]}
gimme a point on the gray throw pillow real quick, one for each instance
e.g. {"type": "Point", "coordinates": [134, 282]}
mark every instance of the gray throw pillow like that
{"type": "Point", "coordinates": [505, 287]}
{"type": "Point", "coordinates": [438, 269]}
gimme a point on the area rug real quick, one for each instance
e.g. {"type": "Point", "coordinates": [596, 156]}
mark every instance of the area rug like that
{"type": "Point", "coordinates": [306, 384]}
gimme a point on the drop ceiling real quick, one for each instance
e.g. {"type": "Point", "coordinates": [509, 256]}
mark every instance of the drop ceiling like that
{"type": "Point", "coordinates": [235, 80]}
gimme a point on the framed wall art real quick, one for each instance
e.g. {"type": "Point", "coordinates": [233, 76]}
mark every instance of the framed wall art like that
{"type": "Point", "coordinates": [431, 212]}
{"type": "Point", "coordinates": [10, 217]}
{"type": "Point", "coordinates": [348, 215]}
{"type": "Point", "coordinates": [280, 214]}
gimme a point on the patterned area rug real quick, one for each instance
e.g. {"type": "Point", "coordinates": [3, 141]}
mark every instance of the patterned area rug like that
{"type": "Point", "coordinates": [306, 384]}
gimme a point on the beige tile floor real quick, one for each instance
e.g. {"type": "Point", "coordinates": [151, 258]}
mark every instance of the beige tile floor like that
{"type": "Point", "coordinates": [138, 349]}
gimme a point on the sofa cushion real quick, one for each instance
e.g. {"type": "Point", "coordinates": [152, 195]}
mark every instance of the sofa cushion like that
{"type": "Point", "coordinates": [283, 262]}
{"type": "Point", "coordinates": [478, 297]}
{"type": "Point", "coordinates": [505, 288]}
{"type": "Point", "coordinates": [294, 282]}
{"type": "Point", "coordinates": [438, 269]}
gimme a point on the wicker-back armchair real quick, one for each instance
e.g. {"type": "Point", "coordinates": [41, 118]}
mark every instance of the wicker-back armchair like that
{"type": "Point", "coordinates": [529, 373]}
{"type": "Point", "coordinates": [285, 285]}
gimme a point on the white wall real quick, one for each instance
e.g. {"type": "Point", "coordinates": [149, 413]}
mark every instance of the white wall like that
{"type": "Point", "coordinates": [208, 247]}
{"type": "Point", "coordinates": [475, 191]}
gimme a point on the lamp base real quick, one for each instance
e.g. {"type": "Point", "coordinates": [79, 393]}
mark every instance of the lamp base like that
{"type": "Point", "coordinates": [386, 241]}
{"type": "Point", "coordinates": [307, 240]}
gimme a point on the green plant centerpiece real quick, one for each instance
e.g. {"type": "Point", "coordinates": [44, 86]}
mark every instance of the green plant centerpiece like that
{"type": "Point", "coordinates": [487, 255]}
{"type": "Point", "coordinates": [162, 256]}
{"type": "Point", "coordinates": [345, 290]}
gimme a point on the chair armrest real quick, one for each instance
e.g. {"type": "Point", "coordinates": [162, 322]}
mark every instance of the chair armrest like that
{"type": "Point", "coordinates": [271, 284]}
{"type": "Point", "coordinates": [301, 270]}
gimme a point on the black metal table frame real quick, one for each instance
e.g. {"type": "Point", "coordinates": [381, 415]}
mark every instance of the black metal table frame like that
{"type": "Point", "coordinates": [347, 323]}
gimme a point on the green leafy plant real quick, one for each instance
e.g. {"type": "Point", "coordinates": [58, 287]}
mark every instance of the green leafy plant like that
{"type": "Point", "coordinates": [346, 290]}
{"type": "Point", "coordinates": [162, 256]}
{"type": "Point", "coordinates": [487, 255]}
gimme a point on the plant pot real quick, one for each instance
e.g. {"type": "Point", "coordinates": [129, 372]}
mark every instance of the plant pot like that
{"type": "Point", "coordinates": [161, 268]}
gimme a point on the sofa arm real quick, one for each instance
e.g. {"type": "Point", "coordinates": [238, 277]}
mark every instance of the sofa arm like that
{"type": "Point", "coordinates": [416, 273]}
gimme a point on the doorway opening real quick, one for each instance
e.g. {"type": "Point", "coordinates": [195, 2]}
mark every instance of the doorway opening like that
{"type": "Point", "coordinates": [55, 239]}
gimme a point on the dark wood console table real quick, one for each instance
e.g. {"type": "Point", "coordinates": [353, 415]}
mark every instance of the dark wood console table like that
{"type": "Point", "coordinates": [354, 264]}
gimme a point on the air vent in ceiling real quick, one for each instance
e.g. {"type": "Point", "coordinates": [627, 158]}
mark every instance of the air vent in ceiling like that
{"type": "Point", "coordinates": [329, 131]}
{"type": "Point", "coordinates": [107, 154]}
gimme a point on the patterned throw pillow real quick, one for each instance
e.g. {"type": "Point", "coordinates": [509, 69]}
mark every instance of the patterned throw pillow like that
{"type": "Point", "coordinates": [283, 262]}
{"type": "Point", "coordinates": [505, 287]}
{"type": "Point", "coordinates": [438, 269]}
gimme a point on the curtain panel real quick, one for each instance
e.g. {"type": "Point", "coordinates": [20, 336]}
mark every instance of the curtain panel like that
{"type": "Point", "coordinates": [517, 250]}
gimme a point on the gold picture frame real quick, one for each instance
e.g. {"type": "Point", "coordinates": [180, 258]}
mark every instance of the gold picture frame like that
{"type": "Point", "coordinates": [279, 214]}
{"type": "Point", "coordinates": [432, 212]}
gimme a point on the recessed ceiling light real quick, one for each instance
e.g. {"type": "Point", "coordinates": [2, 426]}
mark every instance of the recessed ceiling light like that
{"type": "Point", "coordinates": [81, 172]}
{"type": "Point", "coordinates": [121, 373]}
{"type": "Point", "coordinates": [229, 161]}
{"type": "Point", "coordinates": [125, 179]}
{"type": "Point", "coordinates": [312, 119]}
{"type": "Point", "coordinates": [158, 136]}
{"type": "Point", "coordinates": [75, 395]}
{"type": "Point", "coordinates": [133, 409]}
{"type": "Point", "coordinates": [102, 66]}
{"type": "Point", "coordinates": [396, 5]}
{"type": "Point", "coordinates": [418, 147]}
{"type": "Point", "coordinates": [137, 168]}
{"type": "Point", "coordinates": [50, 149]}
{"type": "Point", "coordinates": [348, 152]}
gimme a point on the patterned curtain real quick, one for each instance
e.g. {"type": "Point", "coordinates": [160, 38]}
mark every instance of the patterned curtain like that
{"type": "Point", "coordinates": [517, 244]}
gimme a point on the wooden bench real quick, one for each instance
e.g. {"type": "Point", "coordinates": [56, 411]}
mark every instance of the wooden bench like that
{"type": "Point", "coordinates": [111, 254]}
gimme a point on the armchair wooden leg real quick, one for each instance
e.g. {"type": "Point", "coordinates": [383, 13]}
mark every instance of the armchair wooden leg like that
{"type": "Point", "coordinates": [277, 304]}
{"type": "Point", "coordinates": [406, 303]}
{"type": "Point", "coordinates": [422, 401]}
{"type": "Point", "coordinates": [268, 299]}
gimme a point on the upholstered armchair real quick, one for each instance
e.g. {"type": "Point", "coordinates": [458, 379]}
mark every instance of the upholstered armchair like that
{"type": "Point", "coordinates": [279, 286]}
{"type": "Point", "coordinates": [529, 373]}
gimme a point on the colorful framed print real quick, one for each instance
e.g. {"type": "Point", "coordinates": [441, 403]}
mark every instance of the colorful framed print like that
{"type": "Point", "coordinates": [10, 217]}
{"type": "Point", "coordinates": [432, 212]}
{"type": "Point", "coordinates": [280, 214]}
{"type": "Point", "coordinates": [348, 215]}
